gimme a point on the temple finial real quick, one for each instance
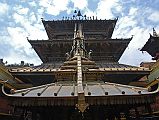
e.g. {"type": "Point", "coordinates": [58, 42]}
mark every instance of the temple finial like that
{"type": "Point", "coordinates": [79, 32]}
{"type": "Point", "coordinates": [78, 43]}
{"type": "Point", "coordinates": [79, 13]}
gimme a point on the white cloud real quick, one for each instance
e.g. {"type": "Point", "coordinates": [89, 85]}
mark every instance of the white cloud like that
{"type": "Point", "coordinates": [133, 11]}
{"type": "Point", "coordinates": [40, 11]}
{"type": "Point", "coordinates": [35, 32]}
{"type": "Point", "coordinates": [141, 35]}
{"type": "Point", "coordinates": [54, 7]}
{"type": "Point", "coordinates": [31, 24]}
{"type": "Point", "coordinates": [80, 4]}
{"type": "Point", "coordinates": [118, 8]}
{"type": "Point", "coordinates": [3, 8]}
{"type": "Point", "coordinates": [18, 36]}
{"type": "Point", "coordinates": [90, 13]}
{"type": "Point", "coordinates": [33, 4]}
{"type": "Point", "coordinates": [23, 11]}
{"type": "Point", "coordinates": [32, 17]}
{"type": "Point", "coordinates": [20, 55]}
{"type": "Point", "coordinates": [21, 49]}
{"type": "Point", "coordinates": [133, 55]}
{"type": "Point", "coordinates": [18, 18]}
{"type": "Point", "coordinates": [24, 23]}
{"type": "Point", "coordinates": [154, 16]}
{"type": "Point", "coordinates": [130, 25]}
{"type": "Point", "coordinates": [123, 27]}
{"type": "Point", "coordinates": [104, 9]}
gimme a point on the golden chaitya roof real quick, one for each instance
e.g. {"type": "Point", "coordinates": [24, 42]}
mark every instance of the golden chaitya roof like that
{"type": "Point", "coordinates": [96, 93]}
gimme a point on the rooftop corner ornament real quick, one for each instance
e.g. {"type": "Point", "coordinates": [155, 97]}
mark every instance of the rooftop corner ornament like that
{"type": "Point", "coordinates": [155, 33]}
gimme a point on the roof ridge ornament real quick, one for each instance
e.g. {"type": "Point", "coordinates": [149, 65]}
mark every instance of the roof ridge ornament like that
{"type": "Point", "coordinates": [78, 15]}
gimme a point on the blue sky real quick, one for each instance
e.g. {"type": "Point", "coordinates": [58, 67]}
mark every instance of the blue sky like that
{"type": "Point", "coordinates": [22, 18]}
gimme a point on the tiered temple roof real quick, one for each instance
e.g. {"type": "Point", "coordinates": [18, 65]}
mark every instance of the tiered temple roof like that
{"type": "Point", "coordinates": [97, 34]}
{"type": "Point", "coordinates": [62, 29]}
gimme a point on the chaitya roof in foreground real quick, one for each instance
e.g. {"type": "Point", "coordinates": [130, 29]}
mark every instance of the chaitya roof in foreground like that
{"type": "Point", "coordinates": [96, 93]}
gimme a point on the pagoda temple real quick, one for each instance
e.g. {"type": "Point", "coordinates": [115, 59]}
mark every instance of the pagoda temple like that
{"type": "Point", "coordinates": [152, 47]}
{"type": "Point", "coordinates": [80, 77]}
